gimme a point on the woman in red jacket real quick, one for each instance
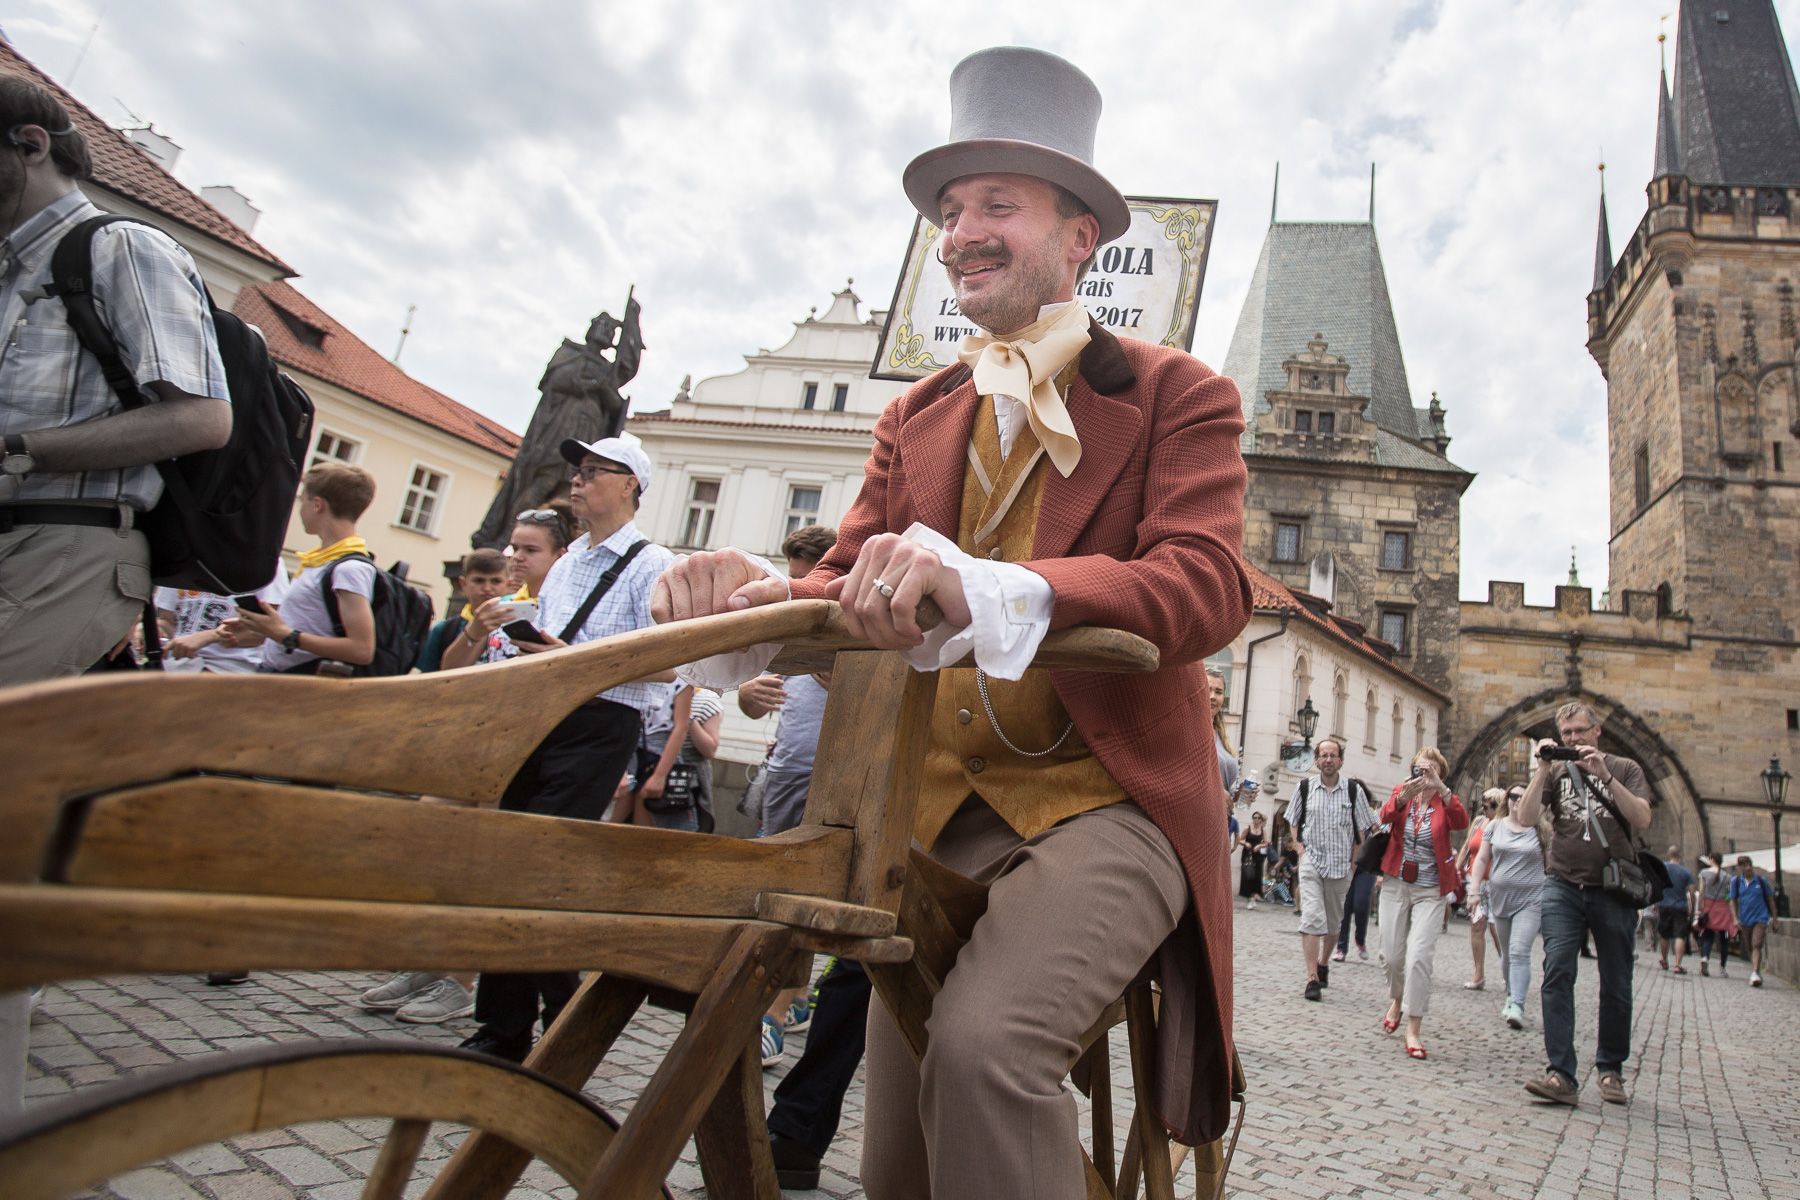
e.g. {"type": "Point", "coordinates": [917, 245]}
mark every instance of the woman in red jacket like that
{"type": "Point", "coordinates": [1419, 876]}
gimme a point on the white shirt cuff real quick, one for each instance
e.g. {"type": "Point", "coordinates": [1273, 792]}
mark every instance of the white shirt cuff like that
{"type": "Point", "coordinates": [1009, 609]}
{"type": "Point", "coordinates": [723, 671]}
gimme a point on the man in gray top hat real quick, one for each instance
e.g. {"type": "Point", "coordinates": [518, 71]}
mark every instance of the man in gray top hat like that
{"type": "Point", "coordinates": [1056, 476]}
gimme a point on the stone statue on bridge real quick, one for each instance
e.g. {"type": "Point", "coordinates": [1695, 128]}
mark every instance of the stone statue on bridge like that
{"type": "Point", "coordinates": [580, 398]}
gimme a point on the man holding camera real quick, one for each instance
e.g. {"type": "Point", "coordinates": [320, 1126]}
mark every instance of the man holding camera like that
{"type": "Point", "coordinates": [1595, 802]}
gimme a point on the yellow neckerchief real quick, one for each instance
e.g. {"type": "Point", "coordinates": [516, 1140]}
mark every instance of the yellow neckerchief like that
{"type": "Point", "coordinates": [1025, 365]}
{"type": "Point", "coordinates": [340, 549]}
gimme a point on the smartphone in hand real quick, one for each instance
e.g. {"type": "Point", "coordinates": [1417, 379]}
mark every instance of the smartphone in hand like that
{"type": "Point", "coordinates": [524, 631]}
{"type": "Point", "coordinates": [251, 604]}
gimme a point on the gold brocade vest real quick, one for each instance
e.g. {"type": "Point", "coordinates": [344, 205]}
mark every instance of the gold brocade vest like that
{"type": "Point", "coordinates": [999, 520]}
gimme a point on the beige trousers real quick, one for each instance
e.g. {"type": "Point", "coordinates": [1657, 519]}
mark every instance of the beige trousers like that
{"type": "Point", "coordinates": [1073, 915]}
{"type": "Point", "coordinates": [68, 593]}
{"type": "Point", "coordinates": [1411, 919]}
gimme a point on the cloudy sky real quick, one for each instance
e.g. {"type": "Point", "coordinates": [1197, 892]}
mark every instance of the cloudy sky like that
{"type": "Point", "coordinates": [513, 168]}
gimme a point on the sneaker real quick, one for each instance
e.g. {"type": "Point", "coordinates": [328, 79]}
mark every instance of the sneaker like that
{"type": "Point", "coordinates": [796, 1167]}
{"type": "Point", "coordinates": [1513, 1015]}
{"type": "Point", "coordinates": [1704, 969]}
{"type": "Point", "coordinates": [485, 1041]}
{"type": "Point", "coordinates": [1252, 903]}
{"type": "Point", "coordinates": [392, 995]}
{"type": "Point", "coordinates": [1324, 975]}
{"type": "Point", "coordinates": [1756, 979]}
{"type": "Point", "coordinates": [1338, 955]}
{"type": "Point", "coordinates": [443, 1001]}
{"type": "Point", "coordinates": [233, 978]}
{"type": "Point", "coordinates": [771, 1042]}
{"type": "Point", "coordinates": [1362, 952]}
{"type": "Point", "coordinates": [1312, 990]}
{"type": "Point", "coordinates": [1723, 973]}
{"type": "Point", "coordinates": [1612, 1089]}
{"type": "Point", "coordinates": [1554, 1088]}
{"type": "Point", "coordinates": [799, 1014]}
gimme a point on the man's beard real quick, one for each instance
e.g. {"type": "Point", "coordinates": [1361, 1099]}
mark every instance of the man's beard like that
{"type": "Point", "coordinates": [1035, 281]}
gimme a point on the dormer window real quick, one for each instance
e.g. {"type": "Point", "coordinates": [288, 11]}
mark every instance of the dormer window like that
{"type": "Point", "coordinates": [1327, 422]}
{"type": "Point", "coordinates": [1302, 421]}
{"type": "Point", "coordinates": [305, 332]}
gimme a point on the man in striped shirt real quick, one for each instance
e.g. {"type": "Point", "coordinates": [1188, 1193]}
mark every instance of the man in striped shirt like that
{"type": "Point", "coordinates": [76, 475]}
{"type": "Point", "coordinates": [1330, 816]}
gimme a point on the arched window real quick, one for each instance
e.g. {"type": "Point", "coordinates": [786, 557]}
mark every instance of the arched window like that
{"type": "Point", "coordinates": [1418, 731]}
{"type": "Point", "coordinates": [1340, 704]}
{"type": "Point", "coordinates": [1370, 709]}
{"type": "Point", "coordinates": [1399, 723]}
{"type": "Point", "coordinates": [1302, 681]}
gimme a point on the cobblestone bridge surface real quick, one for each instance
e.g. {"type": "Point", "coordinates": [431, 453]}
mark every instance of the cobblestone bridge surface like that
{"type": "Point", "coordinates": [1336, 1108]}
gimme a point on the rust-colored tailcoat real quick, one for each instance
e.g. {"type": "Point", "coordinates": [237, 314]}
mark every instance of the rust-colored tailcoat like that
{"type": "Point", "coordinates": [1143, 536]}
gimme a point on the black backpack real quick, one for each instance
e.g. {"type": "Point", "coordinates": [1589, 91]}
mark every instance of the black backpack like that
{"type": "Point", "coordinates": [402, 617]}
{"type": "Point", "coordinates": [223, 513]}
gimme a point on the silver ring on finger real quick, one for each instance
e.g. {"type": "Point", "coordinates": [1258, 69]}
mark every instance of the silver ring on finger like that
{"type": "Point", "coordinates": [885, 588]}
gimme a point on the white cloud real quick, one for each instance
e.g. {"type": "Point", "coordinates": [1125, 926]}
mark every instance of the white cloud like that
{"type": "Point", "coordinates": [513, 169]}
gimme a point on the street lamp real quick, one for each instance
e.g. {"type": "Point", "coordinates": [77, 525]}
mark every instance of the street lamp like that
{"type": "Point", "coordinates": [1775, 786]}
{"type": "Point", "coordinates": [1309, 721]}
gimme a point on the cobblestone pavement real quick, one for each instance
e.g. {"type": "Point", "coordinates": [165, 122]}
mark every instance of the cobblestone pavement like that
{"type": "Point", "coordinates": [1336, 1108]}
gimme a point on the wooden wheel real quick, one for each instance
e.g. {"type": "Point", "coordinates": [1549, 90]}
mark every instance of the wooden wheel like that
{"type": "Point", "coordinates": [60, 1149]}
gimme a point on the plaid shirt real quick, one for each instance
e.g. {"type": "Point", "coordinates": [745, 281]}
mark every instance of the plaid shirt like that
{"type": "Point", "coordinates": [1331, 825]}
{"type": "Point", "coordinates": [624, 608]}
{"type": "Point", "coordinates": [149, 295]}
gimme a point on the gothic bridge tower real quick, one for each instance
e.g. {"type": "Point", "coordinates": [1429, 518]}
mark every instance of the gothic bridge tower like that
{"type": "Point", "coordinates": [1694, 328]}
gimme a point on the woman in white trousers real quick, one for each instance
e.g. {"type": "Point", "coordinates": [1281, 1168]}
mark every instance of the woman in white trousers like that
{"type": "Point", "coordinates": [1419, 878]}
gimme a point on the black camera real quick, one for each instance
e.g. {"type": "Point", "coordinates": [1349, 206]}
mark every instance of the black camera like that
{"type": "Point", "coordinates": [1560, 753]}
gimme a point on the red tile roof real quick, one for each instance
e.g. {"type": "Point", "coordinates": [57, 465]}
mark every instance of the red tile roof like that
{"type": "Point", "coordinates": [304, 337]}
{"type": "Point", "coordinates": [125, 170]}
{"type": "Point", "coordinates": [1269, 594]}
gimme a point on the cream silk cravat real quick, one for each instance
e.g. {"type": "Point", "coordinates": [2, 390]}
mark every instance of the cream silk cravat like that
{"type": "Point", "coordinates": [1025, 366]}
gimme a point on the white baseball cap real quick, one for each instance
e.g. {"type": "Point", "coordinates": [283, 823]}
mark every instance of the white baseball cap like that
{"type": "Point", "coordinates": [626, 450]}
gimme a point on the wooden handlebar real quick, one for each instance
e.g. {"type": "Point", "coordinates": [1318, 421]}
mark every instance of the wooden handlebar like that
{"type": "Point", "coordinates": [1085, 648]}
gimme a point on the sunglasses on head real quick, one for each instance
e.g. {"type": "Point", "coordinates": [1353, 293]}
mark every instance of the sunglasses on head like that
{"type": "Point", "coordinates": [538, 516]}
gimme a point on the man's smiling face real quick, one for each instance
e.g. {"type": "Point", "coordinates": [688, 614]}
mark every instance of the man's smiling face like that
{"type": "Point", "coordinates": [1007, 249]}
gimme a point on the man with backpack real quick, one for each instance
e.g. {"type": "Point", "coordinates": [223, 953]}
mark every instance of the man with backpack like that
{"type": "Point", "coordinates": [337, 575]}
{"type": "Point", "coordinates": [1753, 905]}
{"type": "Point", "coordinates": [77, 477]}
{"type": "Point", "coordinates": [1330, 816]}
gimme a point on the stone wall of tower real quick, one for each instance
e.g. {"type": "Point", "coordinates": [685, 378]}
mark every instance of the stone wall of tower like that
{"type": "Point", "coordinates": [1699, 351]}
{"type": "Point", "coordinates": [1345, 508]}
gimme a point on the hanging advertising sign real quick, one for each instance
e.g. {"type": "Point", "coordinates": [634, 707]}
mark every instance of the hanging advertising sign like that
{"type": "Point", "coordinates": [1145, 285]}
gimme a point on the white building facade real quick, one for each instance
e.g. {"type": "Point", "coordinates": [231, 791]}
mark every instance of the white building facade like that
{"type": "Point", "coordinates": [745, 459]}
{"type": "Point", "coordinates": [1293, 651]}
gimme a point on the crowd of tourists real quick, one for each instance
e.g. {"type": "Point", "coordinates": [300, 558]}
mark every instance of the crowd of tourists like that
{"type": "Point", "coordinates": [1553, 860]}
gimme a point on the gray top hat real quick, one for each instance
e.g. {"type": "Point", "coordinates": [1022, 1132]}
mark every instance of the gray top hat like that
{"type": "Point", "coordinates": [1024, 112]}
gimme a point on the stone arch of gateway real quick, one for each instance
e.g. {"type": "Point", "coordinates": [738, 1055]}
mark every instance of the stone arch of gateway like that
{"type": "Point", "coordinates": [1685, 706]}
